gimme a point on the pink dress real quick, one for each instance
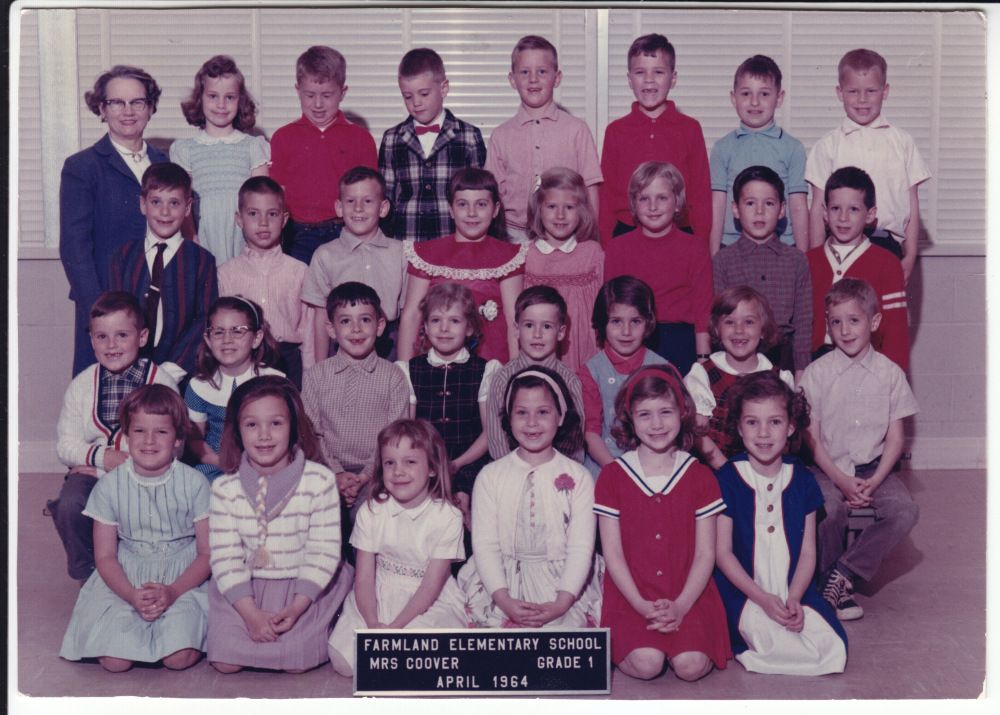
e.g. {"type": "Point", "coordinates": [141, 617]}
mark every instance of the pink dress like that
{"type": "Point", "coordinates": [480, 266]}
{"type": "Point", "coordinates": [578, 276]}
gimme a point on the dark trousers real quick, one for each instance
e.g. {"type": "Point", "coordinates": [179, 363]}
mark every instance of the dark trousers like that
{"type": "Point", "coordinates": [291, 362]}
{"type": "Point", "coordinates": [886, 241]}
{"type": "Point", "coordinates": [675, 342]}
{"type": "Point", "coordinates": [83, 351]}
{"type": "Point", "coordinates": [75, 529]}
{"type": "Point", "coordinates": [782, 355]}
{"type": "Point", "coordinates": [300, 240]}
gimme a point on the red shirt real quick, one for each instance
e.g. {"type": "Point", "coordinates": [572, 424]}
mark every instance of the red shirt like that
{"type": "Point", "coordinates": [672, 137]}
{"type": "Point", "coordinates": [677, 267]}
{"type": "Point", "coordinates": [885, 274]}
{"type": "Point", "coordinates": [308, 162]}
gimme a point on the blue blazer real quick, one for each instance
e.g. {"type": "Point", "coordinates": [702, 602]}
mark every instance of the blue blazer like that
{"type": "Point", "coordinates": [98, 213]}
{"type": "Point", "coordinates": [188, 289]}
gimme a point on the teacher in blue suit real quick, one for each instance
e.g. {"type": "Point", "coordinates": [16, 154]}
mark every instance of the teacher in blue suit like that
{"type": "Point", "coordinates": [99, 191]}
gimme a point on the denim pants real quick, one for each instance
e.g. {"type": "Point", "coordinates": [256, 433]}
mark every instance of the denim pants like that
{"type": "Point", "coordinates": [75, 529]}
{"type": "Point", "coordinates": [895, 515]}
{"type": "Point", "coordinates": [305, 238]}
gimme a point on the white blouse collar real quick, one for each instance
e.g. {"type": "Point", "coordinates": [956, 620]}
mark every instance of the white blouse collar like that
{"type": "Point", "coordinates": [546, 248]}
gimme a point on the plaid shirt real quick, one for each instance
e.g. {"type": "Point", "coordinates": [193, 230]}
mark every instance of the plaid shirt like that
{"type": "Point", "coordinates": [114, 388]}
{"type": "Point", "coordinates": [416, 185]}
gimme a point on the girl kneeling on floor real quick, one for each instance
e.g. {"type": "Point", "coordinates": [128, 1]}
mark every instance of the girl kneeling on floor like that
{"type": "Point", "coordinates": [146, 601]}
{"type": "Point", "coordinates": [277, 579]}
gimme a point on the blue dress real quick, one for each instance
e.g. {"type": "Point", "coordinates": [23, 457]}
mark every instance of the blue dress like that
{"type": "Point", "coordinates": [769, 554]}
{"type": "Point", "coordinates": [155, 517]}
{"type": "Point", "coordinates": [218, 167]}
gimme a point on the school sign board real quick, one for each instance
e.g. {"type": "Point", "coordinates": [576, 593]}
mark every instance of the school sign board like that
{"type": "Point", "coordinates": [483, 661]}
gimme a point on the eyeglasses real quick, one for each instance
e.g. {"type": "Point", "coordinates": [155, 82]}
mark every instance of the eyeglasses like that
{"type": "Point", "coordinates": [237, 332]}
{"type": "Point", "coordinates": [118, 105]}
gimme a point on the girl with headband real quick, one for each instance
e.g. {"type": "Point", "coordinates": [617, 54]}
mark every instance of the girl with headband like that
{"type": "Point", "coordinates": [533, 525]}
{"type": "Point", "coordinates": [237, 347]}
{"type": "Point", "coordinates": [657, 508]}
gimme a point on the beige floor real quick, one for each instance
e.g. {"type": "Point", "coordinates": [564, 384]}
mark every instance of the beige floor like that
{"type": "Point", "coordinates": [922, 635]}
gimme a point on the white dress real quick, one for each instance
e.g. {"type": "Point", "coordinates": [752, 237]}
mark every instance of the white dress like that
{"type": "Point", "coordinates": [817, 649]}
{"type": "Point", "coordinates": [404, 541]}
{"type": "Point", "coordinates": [535, 507]}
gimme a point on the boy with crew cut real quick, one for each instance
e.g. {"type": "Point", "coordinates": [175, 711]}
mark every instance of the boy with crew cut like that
{"type": "Point", "coordinates": [89, 437]}
{"type": "Point", "coordinates": [174, 279]}
{"type": "Point", "coordinates": [351, 396]}
{"type": "Point", "coordinates": [866, 139]}
{"type": "Point", "coordinates": [653, 131]}
{"type": "Point", "coordinates": [418, 156]}
{"type": "Point", "coordinates": [265, 275]}
{"type": "Point", "coordinates": [539, 136]}
{"type": "Point", "coordinates": [847, 253]}
{"type": "Point", "coordinates": [540, 320]}
{"type": "Point", "coordinates": [759, 141]}
{"type": "Point", "coordinates": [362, 254]}
{"type": "Point", "coordinates": [858, 399]}
{"type": "Point", "coordinates": [760, 260]}
{"type": "Point", "coordinates": [309, 156]}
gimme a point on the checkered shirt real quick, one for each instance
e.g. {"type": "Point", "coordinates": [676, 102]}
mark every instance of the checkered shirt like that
{"type": "Point", "coordinates": [417, 186]}
{"type": "Point", "coordinates": [114, 388]}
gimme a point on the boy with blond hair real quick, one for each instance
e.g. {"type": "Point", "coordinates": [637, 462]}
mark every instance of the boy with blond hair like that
{"type": "Point", "coordinates": [539, 136]}
{"type": "Point", "coordinates": [418, 156]}
{"type": "Point", "coordinates": [858, 399]}
{"type": "Point", "coordinates": [309, 156]}
{"type": "Point", "coordinates": [759, 141]}
{"type": "Point", "coordinates": [866, 139]}
{"type": "Point", "coordinates": [653, 131]}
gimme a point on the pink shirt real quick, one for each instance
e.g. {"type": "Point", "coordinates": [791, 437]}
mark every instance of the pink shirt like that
{"type": "Point", "coordinates": [273, 281]}
{"type": "Point", "coordinates": [523, 147]}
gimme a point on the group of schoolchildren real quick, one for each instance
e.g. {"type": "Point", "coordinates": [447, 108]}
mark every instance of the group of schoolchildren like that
{"type": "Point", "coordinates": [555, 381]}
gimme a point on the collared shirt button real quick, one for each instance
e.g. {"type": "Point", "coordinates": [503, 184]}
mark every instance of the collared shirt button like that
{"type": "Point", "coordinates": [770, 487]}
{"type": "Point", "coordinates": [612, 380]}
{"type": "Point", "coordinates": [659, 573]}
{"type": "Point", "coordinates": [770, 529]}
{"type": "Point", "coordinates": [658, 537]}
{"type": "Point", "coordinates": [657, 500]}
{"type": "Point", "coordinates": [427, 186]}
{"type": "Point", "coordinates": [770, 507]}
{"type": "Point", "coordinates": [368, 268]}
{"type": "Point", "coordinates": [447, 393]}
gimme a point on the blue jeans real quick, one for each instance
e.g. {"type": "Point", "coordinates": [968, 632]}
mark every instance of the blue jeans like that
{"type": "Point", "coordinates": [304, 238]}
{"type": "Point", "coordinates": [895, 515]}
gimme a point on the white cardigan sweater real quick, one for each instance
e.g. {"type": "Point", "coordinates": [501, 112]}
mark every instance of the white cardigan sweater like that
{"type": "Point", "coordinates": [568, 516]}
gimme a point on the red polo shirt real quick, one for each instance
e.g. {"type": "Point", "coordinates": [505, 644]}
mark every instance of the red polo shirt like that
{"type": "Point", "coordinates": [308, 162]}
{"type": "Point", "coordinates": [672, 137]}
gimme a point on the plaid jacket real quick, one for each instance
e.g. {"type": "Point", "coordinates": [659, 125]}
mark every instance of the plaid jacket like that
{"type": "Point", "coordinates": [417, 186]}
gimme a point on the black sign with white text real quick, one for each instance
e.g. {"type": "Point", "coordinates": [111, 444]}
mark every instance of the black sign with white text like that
{"type": "Point", "coordinates": [482, 661]}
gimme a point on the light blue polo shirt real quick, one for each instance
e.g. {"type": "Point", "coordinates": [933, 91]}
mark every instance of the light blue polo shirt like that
{"type": "Point", "coordinates": [772, 147]}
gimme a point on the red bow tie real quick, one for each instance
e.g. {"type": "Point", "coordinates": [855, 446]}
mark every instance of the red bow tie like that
{"type": "Point", "coordinates": [430, 128]}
